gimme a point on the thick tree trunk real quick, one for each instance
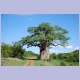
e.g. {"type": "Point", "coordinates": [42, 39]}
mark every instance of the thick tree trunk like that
{"type": "Point", "coordinates": [44, 53]}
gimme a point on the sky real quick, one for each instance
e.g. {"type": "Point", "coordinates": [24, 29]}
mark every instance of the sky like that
{"type": "Point", "coordinates": [14, 27]}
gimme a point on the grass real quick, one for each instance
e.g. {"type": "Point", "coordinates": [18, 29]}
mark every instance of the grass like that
{"type": "Point", "coordinates": [41, 63]}
{"type": "Point", "coordinates": [32, 57]}
{"type": "Point", "coordinates": [72, 63]}
{"type": "Point", "coordinates": [12, 62]}
{"type": "Point", "coordinates": [19, 62]}
{"type": "Point", "coordinates": [54, 62]}
{"type": "Point", "coordinates": [46, 63]}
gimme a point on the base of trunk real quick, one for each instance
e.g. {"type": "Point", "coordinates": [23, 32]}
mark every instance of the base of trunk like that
{"type": "Point", "coordinates": [44, 53]}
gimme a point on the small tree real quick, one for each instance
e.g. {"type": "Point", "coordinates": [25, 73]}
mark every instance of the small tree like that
{"type": "Point", "coordinates": [17, 50]}
{"type": "Point", "coordinates": [45, 36]}
{"type": "Point", "coordinates": [5, 50]}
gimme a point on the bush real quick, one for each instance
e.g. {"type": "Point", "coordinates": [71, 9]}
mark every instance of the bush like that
{"type": "Point", "coordinates": [6, 55]}
{"type": "Point", "coordinates": [24, 58]}
{"type": "Point", "coordinates": [71, 64]}
{"type": "Point", "coordinates": [38, 57]}
{"type": "Point", "coordinates": [62, 63]}
{"type": "Point", "coordinates": [53, 56]}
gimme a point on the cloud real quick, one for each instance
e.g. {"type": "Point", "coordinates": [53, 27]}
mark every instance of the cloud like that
{"type": "Point", "coordinates": [31, 19]}
{"type": "Point", "coordinates": [56, 46]}
{"type": "Point", "coordinates": [76, 48]}
{"type": "Point", "coordinates": [53, 51]}
{"type": "Point", "coordinates": [59, 46]}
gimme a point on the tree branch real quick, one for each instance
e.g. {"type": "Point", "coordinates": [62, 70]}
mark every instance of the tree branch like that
{"type": "Point", "coordinates": [55, 44]}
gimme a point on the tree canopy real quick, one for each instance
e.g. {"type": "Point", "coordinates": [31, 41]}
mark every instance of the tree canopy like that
{"type": "Point", "coordinates": [46, 35]}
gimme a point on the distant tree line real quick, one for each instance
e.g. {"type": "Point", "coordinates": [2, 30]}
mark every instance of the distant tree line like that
{"type": "Point", "coordinates": [16, 51]}
{"type": "Point", "coordinates": [70, 57]}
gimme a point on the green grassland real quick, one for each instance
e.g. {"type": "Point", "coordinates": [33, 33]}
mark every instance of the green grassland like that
{"type": "Point", "coordinates": [54, 63]}
{"type": "Point", "coordinates": [20, 62]}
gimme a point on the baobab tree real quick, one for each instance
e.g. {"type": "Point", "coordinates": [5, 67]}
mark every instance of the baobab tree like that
{"type": "Point", "coordinates": [44, 36]}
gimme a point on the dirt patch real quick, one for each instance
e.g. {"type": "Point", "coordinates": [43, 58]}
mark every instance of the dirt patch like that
{"type": "Point", "coordinates": [32, 63]}
{"type": "Point", "coordinates": [29, 63]}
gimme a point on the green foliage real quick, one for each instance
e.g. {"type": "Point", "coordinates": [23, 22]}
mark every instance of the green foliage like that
{"type": "Point", "coordinates": [30, 53]}
{"type": "Point", "coordinates": [14, 50]}
{"type": "Point", "coordinates": [76, 55]}
{"type": "Point", "coordinates": [53, 56]}
{"type": "Point", "coordinates": [38, 57]}
{"type": "Point", "coordinates": [5, 50]}
{"type": "Point", "coordinates": [60, 56]}
{"type": "Point", "coordinates": [45, 35]}
{"type": "Point", "coordinates": [69, 57]}
{"type": "Point", "coordinates": [26, 55]}
{"type": "Point", "coordinates": [73, 56]}
{"type": "Point", "coordinates": [17, 50]}
{"type": "Point", "coordinates": [62, 63]}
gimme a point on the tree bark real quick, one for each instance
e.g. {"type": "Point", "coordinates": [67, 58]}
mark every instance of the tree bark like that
{"type": "Point", "coordinates": [44, 53]}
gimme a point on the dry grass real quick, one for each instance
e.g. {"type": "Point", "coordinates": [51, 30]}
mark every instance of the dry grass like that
{"type": "Point", "coordinates": [12, 62]}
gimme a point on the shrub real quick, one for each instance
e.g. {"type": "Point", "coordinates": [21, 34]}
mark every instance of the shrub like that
{"type": "Point", "coordinates": [71, 64]}
{"type": "Point", "coordinates": [6, 55]}
{"type": "Point", "coordinates": [24, 58]}
{"type": "Point", "coordinates": [62, 63]}
{"type": "Point", "coordinates": [38, 57]}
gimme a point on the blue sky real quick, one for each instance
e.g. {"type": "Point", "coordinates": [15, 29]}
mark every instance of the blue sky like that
{"type": "Point", "coordinates": [14, 27]}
